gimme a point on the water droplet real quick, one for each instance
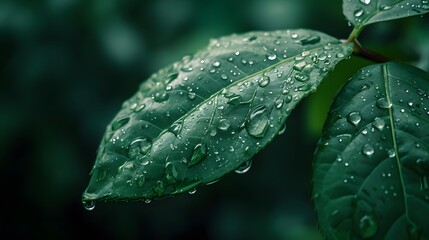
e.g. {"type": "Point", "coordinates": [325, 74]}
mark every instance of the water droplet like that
{"type": "Point", "coordinates": [88, 205]}
{"type": "Point", "coordinates": [383, 103]}
{"type": "Point", "coordinates": [192, 191]}
{"type": "Point", "coordinates": [191, 95]}
{"type": "Point", "coordinates": [340, 55]}
{"type": "Point", "coordinates": [368, 150]}
{"type": "Point", "coordinates": [299, 66]}
{"type": "Point", "coordinates": [272, 56]}
{"type": "Point", "coordinates": [252, 38]}
{"type": "Point", "coordinates": [294, 35]}
{"type": "Point", "coordinates": [257, 123]}
{"type": "Point", "coordinates": [186, 69]}
{"type": "Point", "coordinates": [264, 81]}
{"type": "Point", "coordinates": [358, 12]}
{"type": "Point", "coordinates": [141, 179]}
{"type": "Point", "coordinates": [216, 64]}
{"type": "Point", "coordinates": [379, 123]}
{"type": "Point", "coordinates": [354, 118]}
{"type": "Point", "coordinates": [279, 103]}
{"type": "Point", "coordinates": [140, 146]}
{"type": "Point", "coordinates": [224, 124]}
{"type": "Point", "coordinates": [368, 227]}
{"type": "Point", "coordinates": [176, 128]}
{"type": "Point", "coordinates": [385, 7]}
{"type": "Point", "coordinates": [200, 153]}
{"type": "Point", "coordinates": [224, 76]}
{"type": "Point", "coordinates": [120, 123]}
{"type": "Point", "coordinates": [161, 96]}
{"type": "Point", "coordinates": [171, 172]}
{"type": "Point", "coordinates": [282, 130]}
{"type": "Point", "coordinates": [302, 77]}
{"type": "Point", "coordinates": [244, 168]}
{"type": "Point", "coordinates": [159, 188]}
{"type": "Point", "coordinates": [391, 153]}
{"type": "Point", "coordinates": [171, 77]}
{"type": "Point", "coordinates": [366, 2]}
{"type": "Point", "coordinates": [312, 39]}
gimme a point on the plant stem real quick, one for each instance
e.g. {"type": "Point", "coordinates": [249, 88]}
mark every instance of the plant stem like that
{"type": "Point", "coordinates": [368, 54]}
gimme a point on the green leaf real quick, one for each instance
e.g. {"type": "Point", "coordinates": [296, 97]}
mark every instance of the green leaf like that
{"type": "Point", "coordinates": [208, 114]}
{"type": "Point", "coordinates": [371, 170]}
{"type": "Point", "coordinates": [364, 12]}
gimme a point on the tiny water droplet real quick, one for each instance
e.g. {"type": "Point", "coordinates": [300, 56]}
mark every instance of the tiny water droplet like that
{"type": "Point", "coordinates": [368, 150]}
{"type": "Point", "coordinates": [186, 69]}
{"type": "Point", "coordinates": [383, 103]}
{"type": "Point", "coordinates": [279, 103]}
{"type": "Point", "coordinates": [200, 153]}
{"type": "Point", "coordinates": [264, 81]}
{"type": "Point", "coordinates": [244, 168]}
{"type": "Point", "coordinates": [368, 226]}
{"type": "Point", "coordinates": [120, 123]}
{"type": "Point", "coordinates": [354, 118]}
{"type": "Point", "coordinates": [366, 2]}
{"type": "Point", "coordinates": [340, 55]}
{"type": "Point", "coordinates": [224, 76]}
{"type": "Point", "coordinates": [192, 191]}
{"type": "Point", "coordinates": [191, 95]}
{"type": "Point", "coordinates": [88, 205]}
{"type": "Point", "coordinates": [391, 153]}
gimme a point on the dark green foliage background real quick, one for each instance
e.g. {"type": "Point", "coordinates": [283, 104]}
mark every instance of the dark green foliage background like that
{"type": "Point", "coordinates": [67, 66]}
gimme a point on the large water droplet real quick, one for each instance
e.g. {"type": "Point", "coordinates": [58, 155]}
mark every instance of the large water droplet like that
{"type": "Point", "coordinates": [368, 226]}
{"type": "Point", "coordinates": [258, 121]}
{"type": "Point", "coordinates": [358, 12]}
{"type": "Point", "coordinates": [171, 172]}
{"type": "Point", "coordinates": [366, 2]}
{"type": "Point", "coordinates": [272, 56]}
{"type": "Point", "coordinates": [140, 146]}
{"type": "Point", "coordinates": [191, 95]}
{"type": "Point", "coordinates": [279, 103]}
{"type": "Point", "coordinates": [244, 168]}
{"type": "Point", "coordinates": [159, 188]}
{"type": "Point", "coordinates": [224, 124]}
{"type": "Point", "coordinates": [302, 77]}
{"type": "Point", "coordinates": [383, 103]}
{"type": "Point", "coordinates": [176, 128]}
{"type": "Point", "coordinates": [264, 81]}
{"type": "Point", "coordinates": [88, 205]}
{"type": "Point", "coordinates": [368, 150]}
{"type": "Point", "coordinates": [161, 96]}
{"type": "Point", "coordinates": [354, 118]}
{"type": "Point", "coordinates": [299, 66]}
{"type": "Point", "coordinates": [379, 123]}
{"type": "Point", "coordinates": [120, 123]}
{"type": "Point", "coordinates": [216, 64]}
{"type": "Point", "coordinates": [200, 153]}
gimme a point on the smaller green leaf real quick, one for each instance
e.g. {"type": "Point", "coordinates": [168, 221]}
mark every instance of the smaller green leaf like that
{"type": "Point", "coordinates": [364, 12]}
{"type": "Point", "coordinates": [371, 168]}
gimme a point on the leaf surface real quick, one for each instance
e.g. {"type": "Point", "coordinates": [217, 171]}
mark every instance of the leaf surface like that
{"type": "Point", "coordinates": [364, 12]}
{"type": "Point", "coordinates": [371, 170]}
{"type": "Point", "coordinates": [208, 114]}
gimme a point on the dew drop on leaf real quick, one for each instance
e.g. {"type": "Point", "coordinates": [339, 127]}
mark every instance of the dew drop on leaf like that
{"type": "Point", "coordinates": [367, 226]}
{"type": "Point", "coordinates": [368, 150]}
{"type": "Point", "coordinates": [244, 168]}
{"type": "Point", "coordinates": [192, 191]}
{"type": "Point", "coordinates": [159, 188]}
{"type": "Point", "coordinates": [257, 124]}
{"type": "Point", "coordinates": [358, 12]}
{"type": "Point", "coordinates": [120, 123]}
{"type": "Point", "coordinates": [366, 2]}
{"type": "Point", "coordinates": [161, 97]}
{"type": "Point", "coordinates": [379, 123]}
{"type": "Point", "coordinates": [176, 128]}
{"type": "Point", "coordinates": [272, 56]}
{"type": "Point", "coordinates": [354, 118]}
{"type": "Point", "coordinates": [200, 153]}
{"type": "Point", "coordinates": [311, 39]}
{"type": "Point", "coordinates": [171, 172]}
{"type": "Point", "coordinates": [140, 146]}
{"type": "Point", "coordinates": [88, 205]}
{"type": "Point", "coordinates": [224, 124]}
{"type": "Point", "coordinates": [264, 81]}
{"type": "Point", "coordinates": [299, 66]}
{"type": "Point", "coordinates": [383, 103]}
{"type": "Point", "coordinates": [216, 64]}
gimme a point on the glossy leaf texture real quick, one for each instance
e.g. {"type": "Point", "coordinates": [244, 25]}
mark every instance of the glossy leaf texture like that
{"type": "Point", "coordinates": [208, 114]}
{"type": "Point", "coordinates": [371, 169]}
{"type": "Point", "coordinates": [364, 12]}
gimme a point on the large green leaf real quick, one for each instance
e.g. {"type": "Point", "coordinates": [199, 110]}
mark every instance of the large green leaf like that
{"type": "Point", "coordinates": [371, 171]}
{"type": "Point", "coordinates": [364, 12]}
{"type": "Point", "coordinates": [208, 114]}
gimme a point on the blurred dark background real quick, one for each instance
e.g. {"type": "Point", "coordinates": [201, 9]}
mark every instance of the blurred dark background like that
{"type": "Point", "coordinates": [66, 66]}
